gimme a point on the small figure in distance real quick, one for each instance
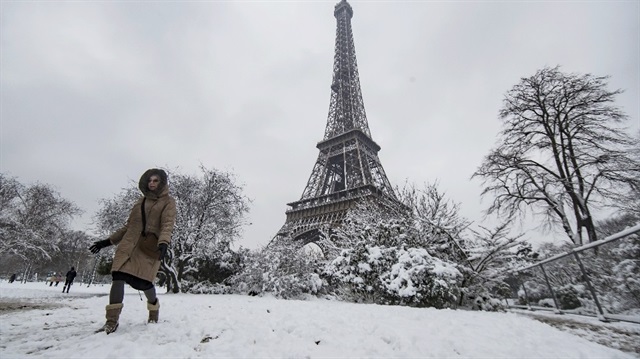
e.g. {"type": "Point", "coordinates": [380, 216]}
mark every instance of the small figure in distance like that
{"type": "Point", "coordinates": [70, 276]}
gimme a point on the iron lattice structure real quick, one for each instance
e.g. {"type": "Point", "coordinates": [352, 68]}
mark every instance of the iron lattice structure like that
{"type": "Point", "coordinates": [348, 169]}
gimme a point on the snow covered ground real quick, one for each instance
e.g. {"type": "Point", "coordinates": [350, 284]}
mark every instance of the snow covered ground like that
{"type": "Point", "coordinates": [230, 326]}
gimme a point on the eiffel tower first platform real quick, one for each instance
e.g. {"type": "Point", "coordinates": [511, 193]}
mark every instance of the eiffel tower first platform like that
{"type": "Point", "coordinates": [348, 169]}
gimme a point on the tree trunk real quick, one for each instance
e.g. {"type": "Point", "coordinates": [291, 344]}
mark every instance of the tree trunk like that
{"type": "Point", "coordinates": [462, 285]}
{"type": "Point", "coordinates": [173, 284]}
{"type": "Point", "coordinates": [591, 228]}
{"type": "Point", "coordinates": [26, 273]}
{"type": "Point", "coordinates": [93, 272]}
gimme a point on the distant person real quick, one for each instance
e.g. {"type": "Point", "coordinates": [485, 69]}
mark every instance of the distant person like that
{"type": "Point", "coordinates": [141, 245]}
{"type": "Point", "coordinates": [12, 278]}
{"type": "Point", "coordinates": [58, 278]}
{"type": "Point", "coordinates": [69, 277]}
{"type": "Point", "coordinates": [52, 279]}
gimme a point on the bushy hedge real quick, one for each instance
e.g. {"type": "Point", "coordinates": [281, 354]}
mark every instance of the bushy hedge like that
{"type": "Point", "coordinates": [281, 270]}
{"type": "Point", "coordinates": [394, 275]}
{"type": "Point", "coordinates": [568, 298]}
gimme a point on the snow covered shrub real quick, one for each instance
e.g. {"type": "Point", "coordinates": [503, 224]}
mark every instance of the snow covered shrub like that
{"type": "Point", "coordinates": [616, 266]}
{"type": "Point", "coordinates": [547, 303]}
{"type": "Point", "coordinates": [206, 288]}
{"type": "Point", "coordinates": [489, 295]}
{"type": "Point", "coordinates": [418, 279]}
{"type": "Point", "coordinates": [280, 269]}
{"type": "Point", "coordinates": [104, 265]}
{"type": "Point", "coordinates": [395, 275]}
{"type": "Point", "coordinates": [356, 273]}
{"type": "Point", "coordinates": [503, 289]}
{"type": "Point", "coordinates": [568, 297]}
{"type": "Point", "coordinates": [487, 303]}
{"type": "Point", "coordinates": [385, 258]}
{"type": "Point", "coordinates": [218, 266]}
{"type": "Point", "coordinates": [627, 271]}
{"type": "Point", "coordinates": [522, 300]}
{"type": "Point", "coordinates": [535, 291]}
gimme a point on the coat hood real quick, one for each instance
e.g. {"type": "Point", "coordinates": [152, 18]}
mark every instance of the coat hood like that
{"type": "Point", "coordinates": [144, 182]}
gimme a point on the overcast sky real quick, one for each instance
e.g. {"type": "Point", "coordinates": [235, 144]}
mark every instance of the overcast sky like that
{"type": "Point", "coordinates": [96, 92]}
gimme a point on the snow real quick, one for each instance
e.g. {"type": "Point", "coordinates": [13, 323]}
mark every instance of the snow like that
{"type": "Point", "coordinates": [230, 326]}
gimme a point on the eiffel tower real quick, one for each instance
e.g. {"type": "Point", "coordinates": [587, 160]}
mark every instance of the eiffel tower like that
{"type": "Point", "coordinates": [348, 169]}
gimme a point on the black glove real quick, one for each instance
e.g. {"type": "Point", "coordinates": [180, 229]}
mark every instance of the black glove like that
{"type": "Point", "coordinates": [97, 246]}
{"type": "Point", "coordinates": [162, 247]}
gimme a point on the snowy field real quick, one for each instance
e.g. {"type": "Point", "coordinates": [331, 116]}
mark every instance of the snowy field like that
{"type": "Point", "coordinates": [230, 326]}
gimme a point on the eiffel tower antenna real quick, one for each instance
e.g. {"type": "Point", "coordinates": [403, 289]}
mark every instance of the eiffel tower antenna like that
{"type": "Point", "coordinates": [348, 169]}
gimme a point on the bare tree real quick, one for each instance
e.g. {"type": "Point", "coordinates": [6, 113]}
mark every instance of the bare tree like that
{"type": "Point", "coordinates": [562, 152]}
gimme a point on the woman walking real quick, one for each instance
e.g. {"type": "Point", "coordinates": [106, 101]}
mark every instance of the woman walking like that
{"type": "Point", "coordinates": [141, 245]}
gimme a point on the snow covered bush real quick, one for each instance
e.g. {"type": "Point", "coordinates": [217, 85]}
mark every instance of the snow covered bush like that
{"type": "Point", "coordinates": [568, 297]}
{"type": "Point", "coordinates": [487, 303]}
{"type": "Point", "coordinates": [395, 275]}
{"type": "Point", "coordinates": [616, 265]}
{"type": "Point", "coordinates": [627, 272]}
{"type": "Point", "coordinates": [205, 288]}
{"type": "Point", "coordinates": [536, 290]}
{"type": "Point", "coordinates": [355, 273]}
{"type": "Point", "coordinates": [385, 255]}
{"type": "Point", "coordinates": [628, 280]}
{"type": "Point", "coordinates": [547, 303]}
{"type": "Point", "coordinates": [280, 269]}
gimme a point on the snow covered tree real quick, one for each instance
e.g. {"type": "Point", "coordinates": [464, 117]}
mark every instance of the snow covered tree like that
{"type": "Point", "coordinates": [33, 219]}
{"type": "Point", "coordinates": [72, 252]}
{"type": "Point", "coordinates": [114, 212]}
{"type": "Point", "coordinates": [210, 214]}
{"type": "Point", "coordinates": [436, 219]}
{"type": "Point", "coordinates": [561, 152]}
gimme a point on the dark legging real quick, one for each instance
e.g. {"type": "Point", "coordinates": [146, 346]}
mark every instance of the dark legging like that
{"type": "Point", "coordinates": [116, 295]}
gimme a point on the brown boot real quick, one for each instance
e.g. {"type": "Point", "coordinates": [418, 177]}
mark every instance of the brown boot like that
{"type": "Point", "coordinates": [113, 314]}
{"type": "Point", "coordinates": [154, 311]}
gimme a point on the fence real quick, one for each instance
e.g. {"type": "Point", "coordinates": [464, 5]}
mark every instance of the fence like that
{"type": "Point", "coordinates": [597, 279]}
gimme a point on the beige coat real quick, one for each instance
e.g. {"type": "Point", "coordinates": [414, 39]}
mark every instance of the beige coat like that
{"type": "Point", "coordinates": [138, 254]}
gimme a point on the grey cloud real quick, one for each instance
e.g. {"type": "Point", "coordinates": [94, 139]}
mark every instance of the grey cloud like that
{"type": "Point", "coordinates": [94, 93]}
